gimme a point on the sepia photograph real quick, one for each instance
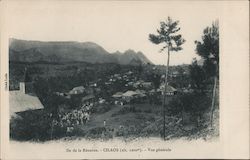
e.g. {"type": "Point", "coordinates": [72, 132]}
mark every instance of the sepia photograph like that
{"type": "Point", "coordinates": [67, 89]}
{"type": "Point", "coordinates": [98, 72]}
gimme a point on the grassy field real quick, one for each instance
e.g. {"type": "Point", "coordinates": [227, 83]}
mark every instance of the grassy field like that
{"type": "Point", "coordinates": [125, 121]}
{"type": "Point", "coordinates": [119, 116]}
{"type": "Point", "coordinates": [141, 120]}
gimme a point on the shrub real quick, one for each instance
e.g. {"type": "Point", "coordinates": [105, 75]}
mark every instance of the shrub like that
{"type": "Point", "coordinates": [102, 108]}
{"type": "Point", "coordinates": [32, 126]}
{"type": "Point", "coordinates": [100, 132]}
{"type": "Point", "coordinates": [127, 109]}
{"type": "Point", "coordinates": [193, 106]}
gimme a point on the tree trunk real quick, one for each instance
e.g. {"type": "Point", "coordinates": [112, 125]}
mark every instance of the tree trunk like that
{"type": "Point", "coordinates": [164, 96]}
{"type": "Point", "coordinates": [182, 114]}
{"type": "Point", "coordinates": [51, 133]}
{"type": "Point", "coordinates": [213, 101]}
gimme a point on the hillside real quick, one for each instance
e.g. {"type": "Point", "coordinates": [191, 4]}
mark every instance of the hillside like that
{"type": "Point", "coordinates": [35, 51]}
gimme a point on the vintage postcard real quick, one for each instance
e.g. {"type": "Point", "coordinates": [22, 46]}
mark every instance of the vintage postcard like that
{"type": "Point", "coordinates": [124, 79]}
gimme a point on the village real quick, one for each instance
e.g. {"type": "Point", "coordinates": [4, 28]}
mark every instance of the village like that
{"type": "Point", "coordinates": [134, 90]}
{"type": "Point", "coordinates": [113, 95]}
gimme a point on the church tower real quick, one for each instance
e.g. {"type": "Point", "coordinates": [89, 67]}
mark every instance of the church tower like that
{"type": "Point", "coordinates": [26, 85]}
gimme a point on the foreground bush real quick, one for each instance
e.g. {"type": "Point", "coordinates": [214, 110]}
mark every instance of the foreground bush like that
{"type": "Point", "coordinates": [32, 126]}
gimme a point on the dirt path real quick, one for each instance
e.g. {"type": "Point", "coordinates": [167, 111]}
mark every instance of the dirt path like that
{"type": "Point", "coordinates": [96, 120]}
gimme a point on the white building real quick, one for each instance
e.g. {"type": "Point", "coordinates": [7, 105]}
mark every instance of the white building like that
{"type": "Point", "coordinates": [24, 99]}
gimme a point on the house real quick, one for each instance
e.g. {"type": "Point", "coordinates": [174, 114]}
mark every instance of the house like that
{"type": "Point", "coordinates": [147, 85]}
{"type": "Point", "coordinates": [88, 99]}
{"type": "Point", "coordinates": [187, 90]}
{"type": "Point", "coordinates": [101, 100]}
{"type": "Point", "coordinates": [129, 95]}
{"type": "Point", "coordinates": [107, 83]}
{"type": "Point", "coordinates": [21, 102]}
{"type": "Point", "coordinates": [24, 99]}
{"type": "Point", "coordinates": [170, 91]}
{"type": "Point", "coordinates": [121, 103]}
{"type": "Point", "coordinates": [77, 90]}
{"type": "Point", "coordinates": [130, 83]}
{"type": "Point", "coordinates": [129, 72]}
{"type": "Point", "coordinates": [93, 85]}
{"type": "Point", "coordinates": [117, 95]}
{"type": "Point", "coordinates": [137, 84]}
{"type": "Point", "coordinates": [174, 74]}
{"type": "Point", "coordinates": [141, 93]}
{"type": "Point", "coordinates": [116, 75]}
{"type": "Point", "coordinates": [59, 94]}
{"type": "Point", "coordinates": [117, 98]}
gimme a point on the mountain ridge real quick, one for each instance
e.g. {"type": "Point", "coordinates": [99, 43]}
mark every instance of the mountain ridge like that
{"type": "Point", "coordinates": [67, 51]}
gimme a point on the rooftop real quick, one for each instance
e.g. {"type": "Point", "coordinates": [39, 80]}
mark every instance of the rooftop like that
{"type": "Point", "coordinates": [129, 93]}
{"type": "Point", "coordinates": [168, 89]}
{"type": "Point", "coordinates": [20, 102]}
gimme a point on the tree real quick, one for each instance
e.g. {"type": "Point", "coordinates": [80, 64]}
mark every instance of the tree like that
{"type": "Point", "coordinates": [193, 103]}
{"type": "Point", "coordinates": [197, 75]}
{"type": "Point", "coordinates": [155, 79]}
{"type": "Point", "coordinates": [167, 35]}
{"type": "Point", "coordinates": [139, 69]}
{"type": "Point", "coordinates": [208, 49]}
{"type": "Point", "coordinates": [181, 80]}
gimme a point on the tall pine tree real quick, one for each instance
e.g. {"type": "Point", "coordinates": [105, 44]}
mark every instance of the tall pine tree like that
{"type": "Point", "coordinates": [168, 35]}
{"type": "Point", "coordinates": [208, 49]}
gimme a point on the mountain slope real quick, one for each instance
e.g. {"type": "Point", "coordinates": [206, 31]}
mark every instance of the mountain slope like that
{"type": "Point", "coordinates": [131, 57]}
{"type": "Point", "coordinates": [34, 51]}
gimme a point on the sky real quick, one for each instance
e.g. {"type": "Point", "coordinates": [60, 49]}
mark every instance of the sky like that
{"type": "Point", "coordinates": [114, 25]}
